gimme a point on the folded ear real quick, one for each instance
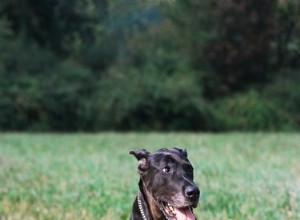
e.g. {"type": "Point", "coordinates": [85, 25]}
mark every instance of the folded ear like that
{"type": "Point", "coordinates": [142, 156]}
{"type": "Point", "coordinates": [182, 151]}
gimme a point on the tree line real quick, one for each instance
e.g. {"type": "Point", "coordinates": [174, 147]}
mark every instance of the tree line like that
{"type": "Point", "coordinates": [207, 65]}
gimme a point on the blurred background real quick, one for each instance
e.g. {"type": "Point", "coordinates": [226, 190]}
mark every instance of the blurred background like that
{"type": "Point", "coordinates": [166, 65]}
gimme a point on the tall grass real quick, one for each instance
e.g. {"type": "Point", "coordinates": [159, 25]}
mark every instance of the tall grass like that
{"type": "Point", "coordinates": [92, 176]}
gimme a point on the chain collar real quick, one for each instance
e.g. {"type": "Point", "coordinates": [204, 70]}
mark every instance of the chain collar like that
{"type": "Point", "coordinates": [141, 207]}
{"type": "Point", "coordinates": [142, 210]}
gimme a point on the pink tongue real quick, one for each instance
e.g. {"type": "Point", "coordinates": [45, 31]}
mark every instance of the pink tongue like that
{"type": "Point", "coordinates": [184, 214]}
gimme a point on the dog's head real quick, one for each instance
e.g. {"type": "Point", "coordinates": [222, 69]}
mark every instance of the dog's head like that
{"type": "Point", "coordinates": [168, 177]}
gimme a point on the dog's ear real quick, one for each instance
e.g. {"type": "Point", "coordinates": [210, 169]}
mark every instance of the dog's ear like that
{"type": "Point", "coordinates": [182, 151]}
{"type": "Point", "coordinates": [142, 156]}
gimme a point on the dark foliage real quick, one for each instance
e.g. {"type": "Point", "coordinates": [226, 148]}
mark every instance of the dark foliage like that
{"type": "Point", "coordinates": [149, 65]}
{"type": "Point", "coordinates": [54, 24]}
{"type": "Point", "coordinates": [240, 54]}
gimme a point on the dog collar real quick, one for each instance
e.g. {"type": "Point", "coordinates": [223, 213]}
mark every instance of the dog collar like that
{"type": "Point", "coordinates": [141, 207]}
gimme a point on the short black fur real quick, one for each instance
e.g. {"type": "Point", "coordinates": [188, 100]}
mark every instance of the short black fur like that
{"type": "Point", "coordinates": [166, 176]}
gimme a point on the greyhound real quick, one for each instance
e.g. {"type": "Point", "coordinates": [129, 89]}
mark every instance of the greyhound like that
{"type": "Point", "coordinates": [166, 187]}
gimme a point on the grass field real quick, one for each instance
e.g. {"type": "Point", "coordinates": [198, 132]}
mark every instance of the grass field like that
{"type": "Point", "coordinates": [92, 176]}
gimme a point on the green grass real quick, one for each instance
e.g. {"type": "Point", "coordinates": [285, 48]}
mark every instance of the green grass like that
{"type": "Point", "coordinates": [92, 176]}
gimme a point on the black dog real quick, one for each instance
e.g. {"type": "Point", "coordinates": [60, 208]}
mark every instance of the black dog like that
{"type": "Point", "coordinates": [167, 190]}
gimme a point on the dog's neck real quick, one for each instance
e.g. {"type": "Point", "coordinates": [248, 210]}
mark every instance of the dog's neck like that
{"type": "Point", "coordinates": [152, 209]}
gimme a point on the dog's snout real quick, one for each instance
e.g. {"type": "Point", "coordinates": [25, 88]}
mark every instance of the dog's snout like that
{"type": "Point", "coordinates": [192, 192]}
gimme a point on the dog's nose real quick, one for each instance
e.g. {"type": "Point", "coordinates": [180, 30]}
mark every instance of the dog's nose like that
{"type": "Point", "coordinates": [192, 192]}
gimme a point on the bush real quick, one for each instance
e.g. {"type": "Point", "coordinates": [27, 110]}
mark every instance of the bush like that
{"type": "Point", "coordinates": [22, 66]}
{"type": "Point", "coordinates": [66, 96]}
{"type": "Point", "coordinates": [38, 92]}
{"type": "Point", "coordinates": [152, 101]}
{"type": "Point", "coordinates": [284, 92]}
{"type": "Point", "coordinates": [252, 111]}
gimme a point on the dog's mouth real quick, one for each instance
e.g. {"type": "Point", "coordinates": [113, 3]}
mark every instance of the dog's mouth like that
{"type": "Point", "coordinates": [177, 213]}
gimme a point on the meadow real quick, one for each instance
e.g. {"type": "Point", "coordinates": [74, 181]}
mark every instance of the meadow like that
{"type": "Point", "coordinates": [92, 176]}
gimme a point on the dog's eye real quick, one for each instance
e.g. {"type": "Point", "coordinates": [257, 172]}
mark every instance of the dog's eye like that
{"type": "Point", "coordinates": [166, 169]}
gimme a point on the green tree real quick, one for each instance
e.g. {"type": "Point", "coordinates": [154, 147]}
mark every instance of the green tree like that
{"type": "Point", "coordinates": [241, 53]}
{"type": "Point", "coordinates": [55, 24]}
{"type": "Point", "coordinates": [286, 43]}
